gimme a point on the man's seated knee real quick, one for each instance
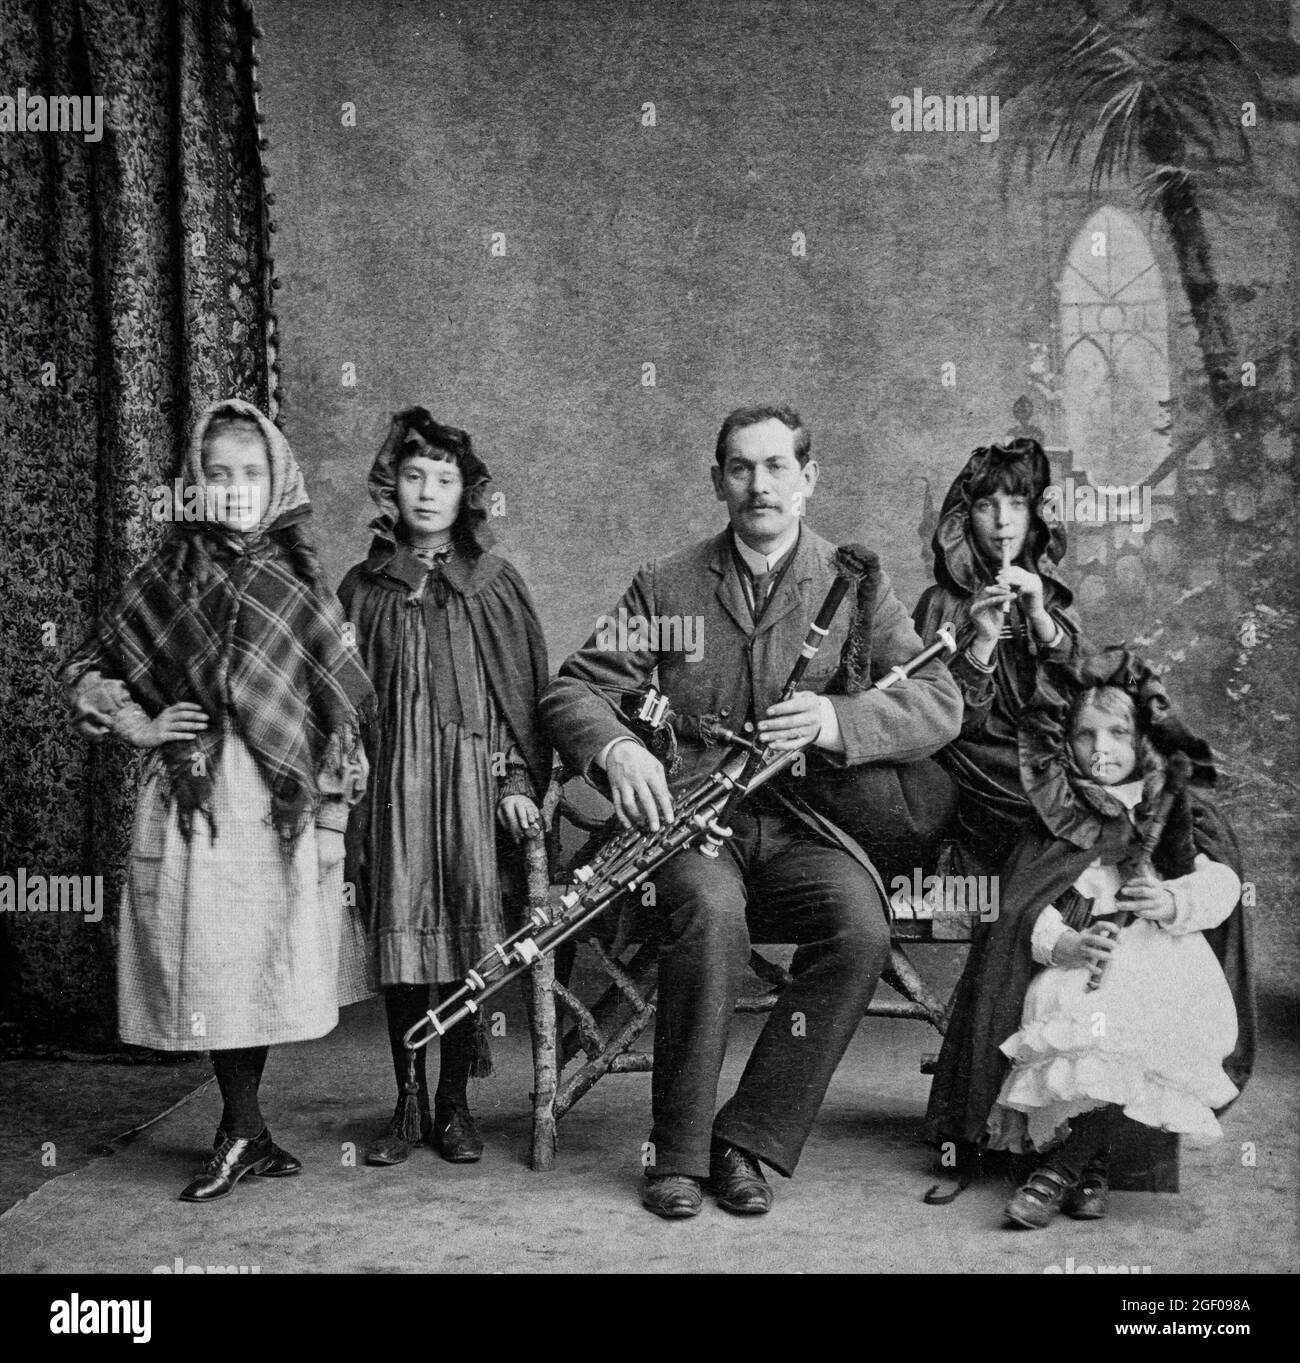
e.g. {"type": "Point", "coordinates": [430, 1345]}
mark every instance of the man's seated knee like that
{"type": "Point", "coordinates": [718, 930]}
{"type": "Point", "coordinates": [867, 939]}
{"type": "Point", "coordinates": [856, 926]}
{"type": "Point", "coordinates": [710, 916]}
{"type": "Point", "coordinates": [868, 925]}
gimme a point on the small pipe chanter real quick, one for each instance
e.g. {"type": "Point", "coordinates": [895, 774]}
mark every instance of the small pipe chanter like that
{"type": "Point", "coordinates": [1141, 863]}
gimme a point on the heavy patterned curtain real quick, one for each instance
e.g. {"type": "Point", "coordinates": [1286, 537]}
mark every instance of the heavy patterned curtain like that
{"type": "Point", "coordinates": [136, 289]}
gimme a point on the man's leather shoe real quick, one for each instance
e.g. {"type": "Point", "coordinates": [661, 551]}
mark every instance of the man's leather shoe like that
{"type": "Point", "coordinates": [281, 1163]}
{"type": "Point", "coordinates": [673, 1196]}
{"type": "Point", "coordinates": [231, 1160]}
{"type": "Point", "coordinates": [393, 1147]}
{"type": "Point", "coordinates": [455, 1137]}
{"type": "Point", "coordinates": [737, 1181]}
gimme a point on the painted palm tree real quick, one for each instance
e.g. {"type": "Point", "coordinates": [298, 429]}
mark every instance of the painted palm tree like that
{"type": "Point", "coordinates": [1149, 92]}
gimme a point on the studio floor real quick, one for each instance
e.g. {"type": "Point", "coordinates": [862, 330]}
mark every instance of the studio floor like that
{"type": "Point", "coordinates": [855, 1204]}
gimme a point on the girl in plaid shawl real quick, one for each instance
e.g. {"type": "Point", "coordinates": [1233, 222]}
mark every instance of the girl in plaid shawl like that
{"type": "Point", "coordinates": [456, 654]}
{"type": "Point", "coordinates": [227, 658]}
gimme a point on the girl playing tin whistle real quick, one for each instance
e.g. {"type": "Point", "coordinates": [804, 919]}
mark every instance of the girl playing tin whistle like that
{"type": "Point", "coordinates": [995, 558]}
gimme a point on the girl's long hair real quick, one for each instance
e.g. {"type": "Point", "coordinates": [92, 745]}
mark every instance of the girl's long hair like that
{"type": "Point", "coordinates": [1114, 700]}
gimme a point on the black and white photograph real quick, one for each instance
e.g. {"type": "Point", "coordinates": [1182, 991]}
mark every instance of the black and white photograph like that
{"type": "Point", "coordinates": [650, 637]}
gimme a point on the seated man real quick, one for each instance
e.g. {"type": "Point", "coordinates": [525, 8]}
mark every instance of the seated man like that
{"type": "Point", "coordinates": [752, 590]}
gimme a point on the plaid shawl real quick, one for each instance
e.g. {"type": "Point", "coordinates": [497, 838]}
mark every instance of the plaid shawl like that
{"type": "Point", "coordinates": [255, 639]}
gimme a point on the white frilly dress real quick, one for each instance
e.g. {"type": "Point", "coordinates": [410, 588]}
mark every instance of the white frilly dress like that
{"type": "Point", "coordinates": [1152, 1038]}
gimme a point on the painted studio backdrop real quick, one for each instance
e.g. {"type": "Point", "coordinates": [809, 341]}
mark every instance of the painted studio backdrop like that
{"type": "Point", "coordinates": [586, 232]}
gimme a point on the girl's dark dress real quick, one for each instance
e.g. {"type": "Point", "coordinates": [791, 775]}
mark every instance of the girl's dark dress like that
{"type": "Point", "coordinates": [984, 760]}
{"type": "Point", "coordinates": [455, 652]}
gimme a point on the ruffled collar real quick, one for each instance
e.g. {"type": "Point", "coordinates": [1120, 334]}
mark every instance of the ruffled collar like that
{"type": "Point", "coordinates": [1128, 793]}
{"type": "Point", "coordinates": [432, 553]}
{"type": "Point", "coordinates": [1068, 801]}
{"type": "Point", "coordinates": [959, 565]}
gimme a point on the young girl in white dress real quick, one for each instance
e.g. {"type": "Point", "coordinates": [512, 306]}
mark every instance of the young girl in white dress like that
{"type": "Point", "coordinates": [1134, 1020]}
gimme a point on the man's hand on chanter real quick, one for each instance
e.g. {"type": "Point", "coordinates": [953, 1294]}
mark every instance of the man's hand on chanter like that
{"type": "Point", "coordinates": [792, 724]}
{"type": "Point", "coordinates": [638, 787]}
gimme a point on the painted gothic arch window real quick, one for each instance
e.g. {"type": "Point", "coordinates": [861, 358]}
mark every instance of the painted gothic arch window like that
{"type": "Point", "coordinates": [1114, 332]}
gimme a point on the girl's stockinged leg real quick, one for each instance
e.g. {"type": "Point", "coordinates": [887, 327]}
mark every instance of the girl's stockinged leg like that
{"type": "Point", "coordinates": [1091, 1136]}
{"type": "Point", "coordinates": [411, 1125]}
{"type": "Point", "coordinates": [455, 1136]}
{"type": "Point", "coordinates": [1087, 1162]}
{"type": "Point", "coordinates": [239, 1073]}
{"type": "Point", "coordinates": [455, 1060]}
{"type": "Point", "coordinates": [406, 1004]}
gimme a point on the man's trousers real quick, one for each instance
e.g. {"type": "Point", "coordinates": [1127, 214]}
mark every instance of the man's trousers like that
{"type": "Point", "coordinates": [775, 881]}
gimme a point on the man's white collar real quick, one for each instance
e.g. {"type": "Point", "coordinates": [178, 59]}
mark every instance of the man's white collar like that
{"type": "Point", "coordinates": [764, 563]}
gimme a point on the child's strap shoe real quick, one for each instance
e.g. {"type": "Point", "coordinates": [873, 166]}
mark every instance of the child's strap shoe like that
{"type": "Point", "coordinates": [1039, 1198]}
{"type": "Point", "coordinates": [1089, 1199]}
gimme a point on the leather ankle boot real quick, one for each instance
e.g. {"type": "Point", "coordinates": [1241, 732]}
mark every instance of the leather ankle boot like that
{"type": "Point", "coordinates": [231, 1160]}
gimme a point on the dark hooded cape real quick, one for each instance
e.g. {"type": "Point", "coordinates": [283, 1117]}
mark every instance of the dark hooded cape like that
{"type": "Point", "coordinates": [983, 759]}
{"type": "Point", "coordinates": [502, 622]}
{"type": "Point", "coordinates": [503, 627]}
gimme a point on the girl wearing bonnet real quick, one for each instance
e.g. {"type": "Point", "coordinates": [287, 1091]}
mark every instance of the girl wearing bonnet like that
{"type": "Point", "coordinates": [1008, 620]}
{"type": "Point", "coordinates": [455, 651]}
{"type": "Point", "coordinates": [1116, 980]}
